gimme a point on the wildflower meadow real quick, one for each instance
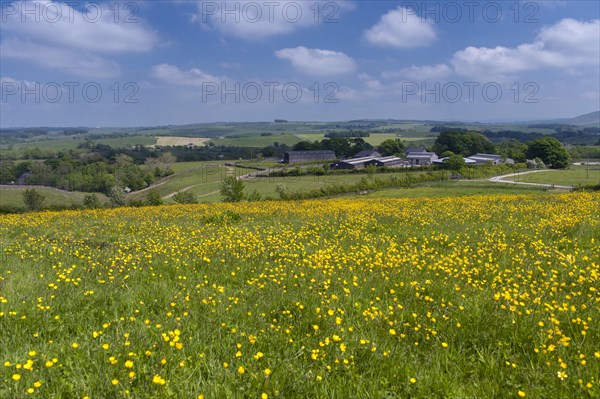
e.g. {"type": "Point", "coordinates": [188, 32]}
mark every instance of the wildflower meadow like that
{"type": "Point", "coordinates": [467, 297]}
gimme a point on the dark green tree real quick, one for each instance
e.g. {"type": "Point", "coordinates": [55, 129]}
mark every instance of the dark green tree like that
{"type": "Point", "coordinates": [455, 162]}
{"type": "Point", "coordinates": [512, 148]}
{"type": "Point", "coordinates": [268, 152]}
{"type": "Point", "coordinates": [549, 150]}
{"type": "Point", "coordinates": [463, 143]}
{"type": "Point", "coordinates": [391, 147]}
{"type": "Point", "coordinates": [232, 189]}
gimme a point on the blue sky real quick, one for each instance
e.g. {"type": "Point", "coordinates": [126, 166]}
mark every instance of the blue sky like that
{"type": "Point", "coordinates": [176, 62]}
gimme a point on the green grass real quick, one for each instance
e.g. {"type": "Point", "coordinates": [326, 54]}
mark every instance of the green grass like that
{"type": "Point", "coordinates": [454, 189]}
{"type": "Point", "coordinates": [470, 297]}
{"type": "Point", "coordinates": [183, 166]}
{"type": "Point", "coordinates": [257, 140]}
{"type": "Point", "coordinates": [13, 197]}
{"type": "Point", "coordinates": [374, 139]}
{"type": "Point", "coordinates": [206, 184]}
{"type": "Point", "coordinates": [172, 184]}
{"type": "Point", "coordinates": [62, 144]}
{"type": "Point", "coordinates": [574, 176]}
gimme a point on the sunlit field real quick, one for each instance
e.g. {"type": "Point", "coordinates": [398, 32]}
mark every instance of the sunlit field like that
{"type": "Point", "coordinates": [463, 297]}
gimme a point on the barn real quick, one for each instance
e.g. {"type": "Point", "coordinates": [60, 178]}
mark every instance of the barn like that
{"type": "Point", "coordinates": [291, 157]}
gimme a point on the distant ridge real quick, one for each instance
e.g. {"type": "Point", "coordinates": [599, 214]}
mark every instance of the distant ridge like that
{"type": "Point", "coordinates": [593, 118]}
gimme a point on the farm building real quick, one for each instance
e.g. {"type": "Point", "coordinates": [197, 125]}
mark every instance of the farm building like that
{"type": "Point", "coordinates": [486, 158]}
{"type": "Point", "coordinates": [410, 150]}
{"type": "Point", "coordinates": [441, 161]}
{"type": "Point", "coordinates": [352, 163]}
{"type": "Point", "coordinates": [308, 156]}
{"type": "Point", "coordinates": [387, 161]}
{"type": "Point", "coordinates": [367, 153]}
{"type": "Point", "coordinates": [421, 158]}
{"type": "Point", "coordinates": [493, 158]}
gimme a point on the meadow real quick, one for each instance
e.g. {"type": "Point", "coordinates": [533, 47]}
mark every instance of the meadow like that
{"type": "Point", "coordinates": [574, 176]}
{"type": "Point", "coordinates": [482, 296]}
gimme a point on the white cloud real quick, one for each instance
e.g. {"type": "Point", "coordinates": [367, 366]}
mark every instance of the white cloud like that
{"type": "Point", "coordinates": [58, 36]}
{"type": "Point", "coordinates": [60, 25]}
{"type": "Point", "coordinates": [401, 28]}
{"type": "Point", "coordinates": [251, 20]}
{"type": "Point", "coordinates": [191, 77]}
{"type": "Point", "coordinates": [317, 62]}
{"type": "Point", "coordinates": [566, 44]}
{"type": "Point", "coordinates": [370, 82]}
{"type": "Point", "coordinates": [81, 63]}
{"type": "Point", "coordinates": [424, 72]}
{"type": "Point", "coordinates": [573, 38]}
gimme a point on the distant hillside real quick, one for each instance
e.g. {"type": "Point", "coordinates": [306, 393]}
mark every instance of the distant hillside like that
{"type": "Point", "coordinates": [593, 118]}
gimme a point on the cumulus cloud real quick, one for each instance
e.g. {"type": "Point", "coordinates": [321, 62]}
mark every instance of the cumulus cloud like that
{"type": "Point", "coordinates": [192, 77]}
{"type": "Point", "coordinates": [81, 63]}
{"type": "Point", "coordinates": [62, 35]}
{"type": "Point", "coordinates": [401, 28]}
{"type": "Point", "coordinates": [566, 44]}
{"type": "Point", "coordinates": [425, 72]}
{"type": "Point", "coordinates": [318, 62]}
{"type": "Point", "coordinates": [251, 20]}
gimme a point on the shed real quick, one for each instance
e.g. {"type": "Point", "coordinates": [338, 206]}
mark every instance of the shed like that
{"type": "Point", "coordinates": [421, 158]}
{"type": "Point", "coordinates": [308, 156]}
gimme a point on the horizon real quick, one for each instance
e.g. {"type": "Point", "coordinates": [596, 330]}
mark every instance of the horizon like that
{"type": "Point", "coordinates": [482, 122]}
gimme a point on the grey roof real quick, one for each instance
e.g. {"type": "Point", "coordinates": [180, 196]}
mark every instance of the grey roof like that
{"type": "Point", "coordinates": [367, 153]}
{"type": "Point", "coordinates": [489, 156]}
{"type": "Point", "coordinates": [414, 149]}
{"type": "Point", "coordinates": [353, 161]}
{"type": "Point", "coordinates": [420, 154]}
{"type": "Point", "coordinates": [313, 152]}
{"type": "Point", "coordinates": [390, 159]}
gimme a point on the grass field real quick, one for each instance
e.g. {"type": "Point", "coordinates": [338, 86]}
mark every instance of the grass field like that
{"type": "Point", "coordinates": [210, 173]}
{"type": "Point", "coordinates": [257, 141]}
{"type": "Point", "coordinates": [573, 176]}
{"type": "Point", "coordinates": [13, 197]}
{"type": "Point", "coordinates": [373, 139]}
{"type": "Point", "coordinates": [180, 141]}
{"type": "Point", "coordinates": [73, 142]}
{"type": "Point", "coordinates": [455, 189]}
{"type": "Point", "coordinates": [488, 296]}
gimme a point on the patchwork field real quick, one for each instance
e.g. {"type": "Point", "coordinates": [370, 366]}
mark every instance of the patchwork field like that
{"type": "Point", "coordinates": [488, 296]}
{"type": "Point", "coordinates": [374, 139]}
{"type": "Point", "coordinates": [180, 141]}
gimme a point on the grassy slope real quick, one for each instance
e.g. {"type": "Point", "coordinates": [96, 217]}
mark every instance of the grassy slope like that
{"type": "Point", "coordinates": [569, 177]}
{"type": "Point", "coordinates": [257, 141]}
{"type": "Point", "coordinates": [454, 189]}
{"type": "Point", "coordinates": [73, 142]}
{"type": "Point", "coordinates": [13, 197]}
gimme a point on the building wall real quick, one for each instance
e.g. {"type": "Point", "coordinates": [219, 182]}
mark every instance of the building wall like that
{"type": "Point", "coordinates": [307, 157]}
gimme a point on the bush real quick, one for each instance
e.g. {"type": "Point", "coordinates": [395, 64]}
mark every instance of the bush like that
{"type": "Point", "coordinates": [153, 198]}
{"type": "Point", "coordinates": [116, 196]}
{"type": "Point", "coordinates": [91, 201]}
{"type": "Point", "coordinates": [185, 197]}
{"type": "Point", "coordinates": [232, 189]}
{"type": "Point", "coordinates": [33, 199]}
